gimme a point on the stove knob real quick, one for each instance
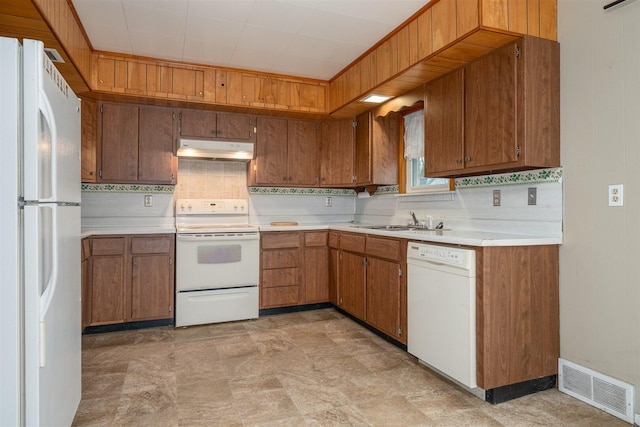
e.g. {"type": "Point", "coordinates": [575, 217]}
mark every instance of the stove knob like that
{"type": "Point", "coordinates": [182, 208]}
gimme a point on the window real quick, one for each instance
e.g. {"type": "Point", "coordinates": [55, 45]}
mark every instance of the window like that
{"type": "Point", "coordinates": [416, 182]}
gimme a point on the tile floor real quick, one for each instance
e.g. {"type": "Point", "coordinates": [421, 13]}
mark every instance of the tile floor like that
{"type": "Point", "coordinates": [315, 368]}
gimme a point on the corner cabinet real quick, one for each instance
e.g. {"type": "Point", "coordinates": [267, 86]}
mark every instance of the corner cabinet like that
{"type": "Point", "coordinates": [499, 113]}
{"type": "Point", "coordinates": [376, 149]}
{"type": "Point", "coordinates": [293, 268]}
{"type": "Point", "coordinates": [127, 278]}
{"type": "Point", "coordinates": [337, 152]}
{"type": "Point", "coordinates": [367, 276]}
{"type": "Point", "coordinates": [136, 144]}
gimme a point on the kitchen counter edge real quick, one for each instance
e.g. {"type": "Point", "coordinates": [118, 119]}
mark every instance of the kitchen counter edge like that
{"type": "Point", "coordinates": [452, 237]}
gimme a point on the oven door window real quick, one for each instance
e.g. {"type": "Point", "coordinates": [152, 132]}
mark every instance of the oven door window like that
{"type": "Point", "coordinates": [219, 254]}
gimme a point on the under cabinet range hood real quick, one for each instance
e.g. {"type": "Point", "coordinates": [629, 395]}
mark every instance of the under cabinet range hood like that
{"type": "Point", "coordinates": [215, 150]}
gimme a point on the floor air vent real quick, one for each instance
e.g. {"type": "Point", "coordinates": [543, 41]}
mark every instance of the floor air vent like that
{"type": "Point", "coordinates": [603, 392]}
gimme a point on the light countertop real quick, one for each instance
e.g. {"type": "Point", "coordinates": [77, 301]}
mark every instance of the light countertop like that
{"type": "Point", "coordinates": [451, 237]}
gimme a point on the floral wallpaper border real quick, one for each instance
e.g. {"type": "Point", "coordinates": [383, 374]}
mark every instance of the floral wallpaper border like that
{"type": "Point", "coordinates": [302, 191]}
{"type": "Point", "coordinates": [538, 176]}
{"type": "Point", "coordinates": [127, 188]}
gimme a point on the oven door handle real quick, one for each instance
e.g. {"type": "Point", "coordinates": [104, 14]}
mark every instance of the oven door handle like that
{"type": "Point", "coordinates": [216, 237]}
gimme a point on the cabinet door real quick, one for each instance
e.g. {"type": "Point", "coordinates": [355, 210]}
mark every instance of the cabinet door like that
{"type": "Point", "coordinates": [86, 293]}
{"type": "Point", "coordinates": [271, 151]}
{"type": "Point", "coordinates": [334, 255]}
{"type": "Point", "coordinates": [384, 149]}
{"type": "Point", "coordinates": [316, 282]}
{"type": "Point", "coordinates": [491, 109]}
{"type": "Point", "coordinates": [151, 287]}
{"type": "Point", "coordinates": [443, 123]}
{"type": "Point", "coordinates": [363, 149]}
{"type": "Point", "coordinates": [236, 127]}
{"type": "Point", "coordinates": [119, 143]}
{"type": "Point", "coordinates": [383, 296]}
{"type": "Point", "coordinates": [107, 290]}
{"type": "Point", "coordinates": [157, 164]}
{"type": "Point", "coordinates": [336, 153]}
{"type": "Point", "coordinates": [198, 124]}
{"type": "Point", "coordinates": [303, 152]}
{"type": "Point", "coordinates": [89, 140]}
{"type": "Point", "coordinates": [351, 293]}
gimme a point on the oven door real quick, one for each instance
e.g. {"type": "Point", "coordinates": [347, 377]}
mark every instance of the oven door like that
{"type": "Point", "coordinates": [215, 261]}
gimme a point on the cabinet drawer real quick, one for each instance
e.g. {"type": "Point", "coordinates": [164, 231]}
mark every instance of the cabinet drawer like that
{"type": "Point", "coordinates": [352, 242]}
{"type": "Point", "coordinates": [280, 258]}
{"type": "Point", "coordinates": [282, 295]}
{"type": "Point", "coordinates": [334, 240]}
{"type": "Point", "coordinates": [280, 277]}
{"type": "Point", "coordinates": [280, 239]}
{"type": "Point", "coordinates": [107, 246]}
{"type": "Point", "coordinates": [315, 239]}
{"type": "Point", "coordinates": [383, 248]}
{"type": "Point", "coordinates": [151, 245]}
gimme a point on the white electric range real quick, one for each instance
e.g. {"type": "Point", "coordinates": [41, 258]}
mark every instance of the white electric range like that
{"type": "Point", "coordinates": [217, 262]}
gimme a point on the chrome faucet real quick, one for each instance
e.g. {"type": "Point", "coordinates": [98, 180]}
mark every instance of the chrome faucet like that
{"type": "Point", "coordinates": [415, 220]}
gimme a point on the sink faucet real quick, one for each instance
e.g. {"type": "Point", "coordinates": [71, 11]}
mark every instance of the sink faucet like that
{"type": "Point", "coordinates": [415, 220]}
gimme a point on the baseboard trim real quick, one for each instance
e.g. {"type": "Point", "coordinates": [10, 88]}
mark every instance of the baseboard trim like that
{"type": "Point", "coordinates": [513, 391]}
{"type": "Point", "coordinates": [128, 326]}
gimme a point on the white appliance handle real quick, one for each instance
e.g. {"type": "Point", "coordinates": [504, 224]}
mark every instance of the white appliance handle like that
{"type": "Point", "coordinates": [41, 272]}
{"type": "Point", "coordinates": [47, 114]}
{"type": "Point", "coordinates": [216, 237]}
{"type": "Point", "coordinates": [40, 168]}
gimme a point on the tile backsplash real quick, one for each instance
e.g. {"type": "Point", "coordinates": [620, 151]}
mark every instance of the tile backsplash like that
{"type": "Point", "coordinates": [470, 207]}
{"type": "Point", "coordinates": [207, 179]}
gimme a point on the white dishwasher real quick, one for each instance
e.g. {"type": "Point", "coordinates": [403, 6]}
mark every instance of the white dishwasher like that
{"type": "Point", "coordinates": [441, 309]}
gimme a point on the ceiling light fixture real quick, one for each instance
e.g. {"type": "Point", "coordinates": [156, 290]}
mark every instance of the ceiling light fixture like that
{"type": "Point", "coordinates": [376, 99]}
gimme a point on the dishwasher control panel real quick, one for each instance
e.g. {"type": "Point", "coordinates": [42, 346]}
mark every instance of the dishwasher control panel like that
{"type": "Point", "coordinates": [462, 258]}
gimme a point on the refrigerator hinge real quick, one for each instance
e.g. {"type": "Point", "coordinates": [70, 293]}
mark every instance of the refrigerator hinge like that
{"type": "Point", "coordinates": [21, 202]}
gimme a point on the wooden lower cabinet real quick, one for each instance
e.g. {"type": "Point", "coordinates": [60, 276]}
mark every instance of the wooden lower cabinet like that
{"type": "Point", "coordinates": [352, 286]}
{"type": "Point", "coordinates": [293, 268]}
{"type": "Point", "coordinates": [370, 282]}
{"type": "Point", "coordinates": [517, 306]}
{"type": "Point", "coordinates": [128, 278]}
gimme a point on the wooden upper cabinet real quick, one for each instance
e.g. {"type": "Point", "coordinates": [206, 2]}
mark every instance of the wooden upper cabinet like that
{"type": "Point", "coordinates": [212, 125]}
{"type": "Point", "coordinates": [337, 144]}
{"type": "Point", "coordinates": [511, 113]}
{"type": "Point", "coordinates": [136, 144]}
{"type": "Point", "coordinates": [157, 163]}
{"type": "Point", "coordinates": [119, 143]}
{"type": "Point", "coordinates": [270, 164]}
{"type": "Point", "coordinates": [89, 140]}
{"type": "Point", "coordinates": [198, 123]}
{"type": "Point", "coordinates": [444, 124]}
{"type": "Point", "coordinates": [302, 156]}
{"type": "Point", "coordinates": [512, 107]}
{"type": "Point", "coordinates": [376, 153]}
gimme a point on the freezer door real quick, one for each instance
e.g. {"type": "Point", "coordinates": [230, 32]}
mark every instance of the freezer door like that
{"type": "Point", "coordinates": [52, 313]}
{"type": "Point", "coordinates": [51, 130]}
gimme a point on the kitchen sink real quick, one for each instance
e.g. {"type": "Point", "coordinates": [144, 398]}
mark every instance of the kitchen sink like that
{"type": "Point", "coordinates": [415, 228]}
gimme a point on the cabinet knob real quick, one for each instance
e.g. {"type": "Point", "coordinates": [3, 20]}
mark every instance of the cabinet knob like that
{"type": "Point", "coordinates": [458, 161]}
{"type": "Point", "coordinates": [280, 253]}
{"type": "Point", "coordinates": [281, 290]}
{"type": "Point", "coordinates": [467, 159]}
{"type": "Point", "coordinates": [281, 272]}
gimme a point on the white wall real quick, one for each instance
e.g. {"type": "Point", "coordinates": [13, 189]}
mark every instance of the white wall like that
{"type": "Point", "coordinates": [600, 125]}
{"type": "Point", "coordinates": [472, 209]}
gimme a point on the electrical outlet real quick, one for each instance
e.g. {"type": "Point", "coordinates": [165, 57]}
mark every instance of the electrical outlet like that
{"type": "Point", "coordinates": [148, 200]}
{"type": "Point", "coordinates": [615, 195]}
{"type": "Point", "coordinates": [328, 202]}
{"type": "Point", "coordinates": [496, 197]}
{"type": "Point", "coordinates": [532, 196]}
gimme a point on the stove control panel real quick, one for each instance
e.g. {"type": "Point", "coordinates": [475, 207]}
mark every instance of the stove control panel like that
{"type": "Point", "coordinates": [211, 206]}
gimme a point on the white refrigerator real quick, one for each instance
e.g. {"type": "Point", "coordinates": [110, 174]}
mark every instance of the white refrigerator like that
{"type": "Point", "coordinates": [40, 316]}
